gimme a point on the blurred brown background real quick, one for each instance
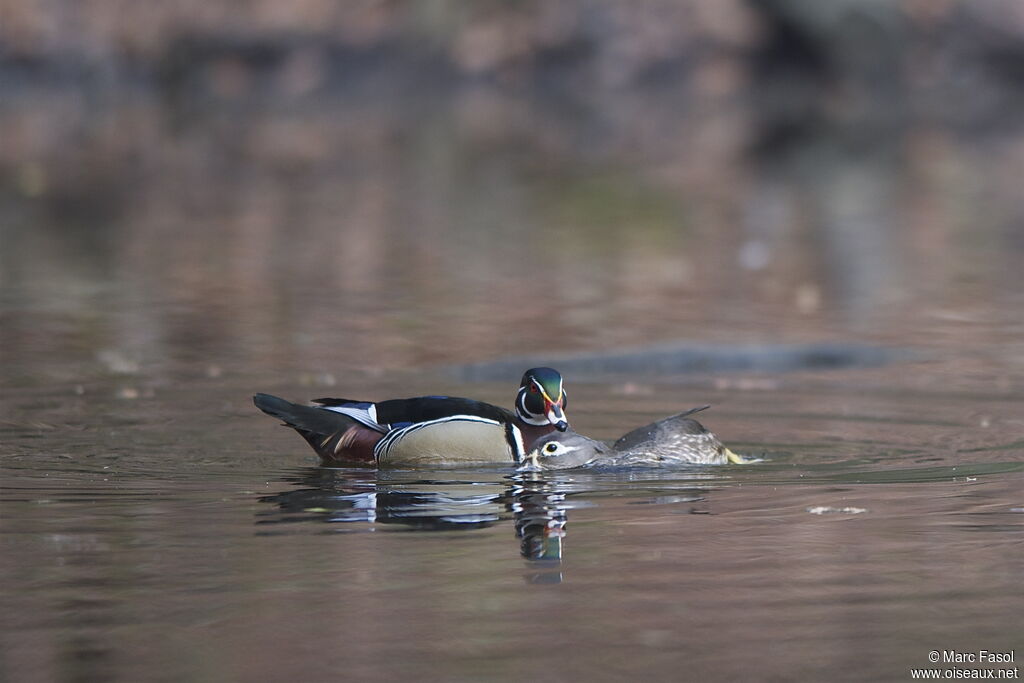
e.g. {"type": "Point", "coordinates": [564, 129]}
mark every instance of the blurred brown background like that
{"type": "Point", "coordinates": [397, 184]}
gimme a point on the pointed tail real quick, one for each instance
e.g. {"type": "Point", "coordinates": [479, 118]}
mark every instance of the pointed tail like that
{"type": "Point", "coordinates": [335, 437]}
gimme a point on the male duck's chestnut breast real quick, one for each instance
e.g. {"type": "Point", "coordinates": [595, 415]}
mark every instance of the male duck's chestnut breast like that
{"type": "Point", "coordinates": [447, 442]}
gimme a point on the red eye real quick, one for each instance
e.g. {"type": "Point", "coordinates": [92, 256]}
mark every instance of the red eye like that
{"type": "Point", "coordinates": [533, 389]}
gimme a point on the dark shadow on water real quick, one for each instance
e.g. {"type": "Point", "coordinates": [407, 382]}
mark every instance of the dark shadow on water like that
{"type": "Point", "coordinates": [688, 358]}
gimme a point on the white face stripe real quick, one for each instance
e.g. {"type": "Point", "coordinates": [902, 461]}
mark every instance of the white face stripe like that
{"type": "Point", "coordinates": [536, 419]}
{"type": "Point", "coordinates": [540, 388]}
{"type": "Point", "coordinates": [525, 415]}
{"type": "Point", "coordinates": [560, 448]}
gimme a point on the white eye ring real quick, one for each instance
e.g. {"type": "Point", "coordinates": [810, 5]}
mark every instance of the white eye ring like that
{"type": "Point", "coordinates": [551, 448]}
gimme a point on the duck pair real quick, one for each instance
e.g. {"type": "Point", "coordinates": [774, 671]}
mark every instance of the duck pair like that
{"type": "Point", "coordinates": [443, 430]}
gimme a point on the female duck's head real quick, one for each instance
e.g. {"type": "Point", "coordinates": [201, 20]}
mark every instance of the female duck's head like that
{"type": "Point", "coordinates": [541, 399]}
{"type": "Point", "coordinates": [563, 450]}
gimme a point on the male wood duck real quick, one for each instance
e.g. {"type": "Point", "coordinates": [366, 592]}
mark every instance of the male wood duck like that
{"type": "Point", "coordinates": [427, 430]}
{"type": "Point", "coordinates": [674, 440]}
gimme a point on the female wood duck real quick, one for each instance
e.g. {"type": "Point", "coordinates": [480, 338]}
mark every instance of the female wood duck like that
{"type": "Point", "coordinates": [675, 440]}
{"type": "Point", "coordinates": [428, 430]}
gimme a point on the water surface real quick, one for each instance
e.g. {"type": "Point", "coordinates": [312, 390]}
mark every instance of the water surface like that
{"type": "Point", "coordinates": [182, 536]}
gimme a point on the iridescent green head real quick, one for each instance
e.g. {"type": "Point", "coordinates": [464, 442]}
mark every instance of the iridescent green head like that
{"type": "Point", "coordinates": [541, 399]}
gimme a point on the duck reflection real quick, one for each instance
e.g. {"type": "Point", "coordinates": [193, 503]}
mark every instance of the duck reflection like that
{"type": "Point", "coordinates": [332, 495]}
{"type": "Point", "coordinates": [535, 501]}
{"type": "Point", "coordinates": [538, 503]}
{"type": "Point", "coordinates": [538, 507]}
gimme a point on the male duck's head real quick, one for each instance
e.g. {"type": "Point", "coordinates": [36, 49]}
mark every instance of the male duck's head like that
{"type": "Point", "coordinates": [541, 399]}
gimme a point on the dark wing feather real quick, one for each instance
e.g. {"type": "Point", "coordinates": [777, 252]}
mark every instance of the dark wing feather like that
{"type": "Point", "coordinates": [328, 402]}
{"type": "Point", "coordinates": [423, 408]}
{"type": "Point", "coordinates": [308, 418]}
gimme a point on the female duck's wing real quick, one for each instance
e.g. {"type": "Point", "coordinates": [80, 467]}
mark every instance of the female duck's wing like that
{"type": "Point", "coordinates": [675, 424]}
